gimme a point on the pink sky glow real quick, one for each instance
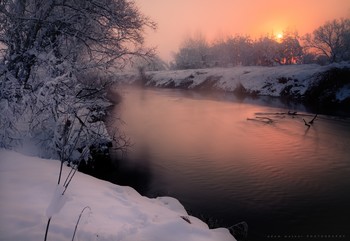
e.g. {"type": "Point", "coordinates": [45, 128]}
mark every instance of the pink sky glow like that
{"type": "Point", "coordinates": [178, 19]}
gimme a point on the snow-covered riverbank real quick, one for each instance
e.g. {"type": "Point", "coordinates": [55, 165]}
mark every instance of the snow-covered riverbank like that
{"type": "Point", "coordinates": [114, 212]}
{"type": "Point", "coordinates": [294, 81]}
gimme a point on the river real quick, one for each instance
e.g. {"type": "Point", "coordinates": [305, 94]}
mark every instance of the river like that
{"type": "Point", "coordinates": [231, 160]}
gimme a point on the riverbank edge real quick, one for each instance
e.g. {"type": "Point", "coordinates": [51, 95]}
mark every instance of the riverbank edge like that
{"type": "Point", "coordinates": [323, 87]}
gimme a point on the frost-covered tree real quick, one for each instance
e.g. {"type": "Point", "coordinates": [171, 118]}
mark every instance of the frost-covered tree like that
{"type": "Point", "coordinates": [54, 74]}
{"type": "Point", "coordinates": [241, 50]}
{"type": "Point", "coordinates": [331, 40]}
{"type": "Point", "coordinates": [154, 63]}
{"type": "Point", "coordinates": [219, 53]}
{"type": "Point", "coordinates": [54, 70]}
{"type": "Point", "coordinates": [232, 51]}
{"type": "Point", "coordinates": [193, 53]}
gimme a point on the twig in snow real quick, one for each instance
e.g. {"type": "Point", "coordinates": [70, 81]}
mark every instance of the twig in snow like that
{"type": "Point", "coordinates": [47, 228]}
{"type": "Point", "coordinates": [76, 225]}
{"type": "Point", "coordinates": [239, 231]}
{"type": "Point", "coordinates": [186, 218]}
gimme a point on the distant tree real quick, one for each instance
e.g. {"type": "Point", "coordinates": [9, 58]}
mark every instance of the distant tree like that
{"type": "Point", "coordinates": [289, 49]}
{"type": "Point", "coordinates": [266, 51]}
{"type": "Point", "coordinates": [239, 50]}
{"type": "Point", "coordinates": [224, 52]}
{"type": "Point", "coordinates": [154, 63]}
{"type": "Point", "coordinates": [331, 40]}
{"type": "Point", "coordinates": [346, 39]}
{"type": "Point", "coordinates": [245, 50]}
{"type": "Point", "coordinates": [230, 51]}
{"type": "Point", "coordinates": [309, 58]}
{"type": "Point", "coordinates": [193, 53]}
{"type": "Point", "coordinates": [219, 53]}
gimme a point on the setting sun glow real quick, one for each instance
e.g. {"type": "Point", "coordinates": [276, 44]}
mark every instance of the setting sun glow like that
{"type": "Point", "coordinates": [279, 36]}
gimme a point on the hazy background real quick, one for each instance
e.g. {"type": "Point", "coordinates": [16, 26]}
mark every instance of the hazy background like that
{"type": "Point", "coordinates": [179, 19]}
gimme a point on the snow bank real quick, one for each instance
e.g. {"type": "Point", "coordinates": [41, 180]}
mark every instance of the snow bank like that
{"type": "Point", "coordinates": [343, 93]}
{"type": "Point", "coordinates": [288, 80]}
{"type": "Point", "coordinates": [115, 213]}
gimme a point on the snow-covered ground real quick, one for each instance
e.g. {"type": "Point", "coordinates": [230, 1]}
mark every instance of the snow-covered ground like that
{"type": "Point", "coordinates": [291, 80]}
{"type": "Point", "coordinates": [113, 212]}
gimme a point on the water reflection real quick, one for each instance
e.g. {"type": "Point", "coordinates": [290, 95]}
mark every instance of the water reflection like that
{"type": "Point", "coordinates": [135, 170]}
{"type": "Point", "coordinates": [278, 176]}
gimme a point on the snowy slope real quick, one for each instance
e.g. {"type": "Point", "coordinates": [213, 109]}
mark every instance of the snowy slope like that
{"type": "Point", "coordinates": [295, 79]}
{"type": "Point", "coordinates": [114, 212]}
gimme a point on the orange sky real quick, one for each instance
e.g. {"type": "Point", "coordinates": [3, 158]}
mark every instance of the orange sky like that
{"type": "Point", "coordinates": [177, 19]}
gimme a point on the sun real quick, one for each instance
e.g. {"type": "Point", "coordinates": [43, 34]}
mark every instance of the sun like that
{"type": "Point", "coordinates": [279, 36]}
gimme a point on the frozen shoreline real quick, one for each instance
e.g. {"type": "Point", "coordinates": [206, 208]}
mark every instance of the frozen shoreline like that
{"type": "Point", "coordinates": [291, 81]}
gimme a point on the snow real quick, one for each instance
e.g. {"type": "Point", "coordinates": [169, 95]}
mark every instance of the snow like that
{"type": "Point", "coordinates": [264, 80]}
{"type": "Point", "coordinates": [343, 93]}
{"type": "Point", "coordinates": [57, 202]}
{"type": "Point", "coordinates": [29, 195]}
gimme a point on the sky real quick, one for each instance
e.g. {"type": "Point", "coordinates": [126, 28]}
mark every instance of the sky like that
{"type": "Point", "coordinates": [215, 19]}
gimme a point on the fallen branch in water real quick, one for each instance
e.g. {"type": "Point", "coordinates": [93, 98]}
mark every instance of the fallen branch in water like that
{"type": "Point", "coordinates": [282, 113]}
{"type": "Point", "coordinates": [261, 119]}
{"type": "Point", "coordinates": [307, 124]}
{"type": "Point", "coordinates": [312, 121]}
{"type": "Point", "coordinates": [266, 119]}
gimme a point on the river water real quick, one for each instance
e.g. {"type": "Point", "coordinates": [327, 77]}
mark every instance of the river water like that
{"type": "Point", "coordinates": [231, 160]}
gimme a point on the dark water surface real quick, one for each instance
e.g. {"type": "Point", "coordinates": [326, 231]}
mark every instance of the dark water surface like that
{"type": "Point", "coordinates": [287, 181]}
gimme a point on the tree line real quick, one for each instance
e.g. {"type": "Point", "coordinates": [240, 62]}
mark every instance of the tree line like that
{"type": "Point", "coordinates": [327, 44]}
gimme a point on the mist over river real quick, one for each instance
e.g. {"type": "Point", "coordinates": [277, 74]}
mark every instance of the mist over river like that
{"type": "Point", "coordinates": [234, 160]}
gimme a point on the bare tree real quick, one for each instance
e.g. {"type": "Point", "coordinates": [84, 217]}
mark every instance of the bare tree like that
{"type": "Point", "coordinates": [238, 50]}
{"type": "Point", "coordinates": [266, 51]}
{"type": "Point", "coordinates": [331, 40]}
{"type": "Point", "coordinates": [289, 50]}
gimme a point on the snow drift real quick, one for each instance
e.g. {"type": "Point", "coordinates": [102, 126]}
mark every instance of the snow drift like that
{"type": "Point", "coordinates": [113, 212]}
